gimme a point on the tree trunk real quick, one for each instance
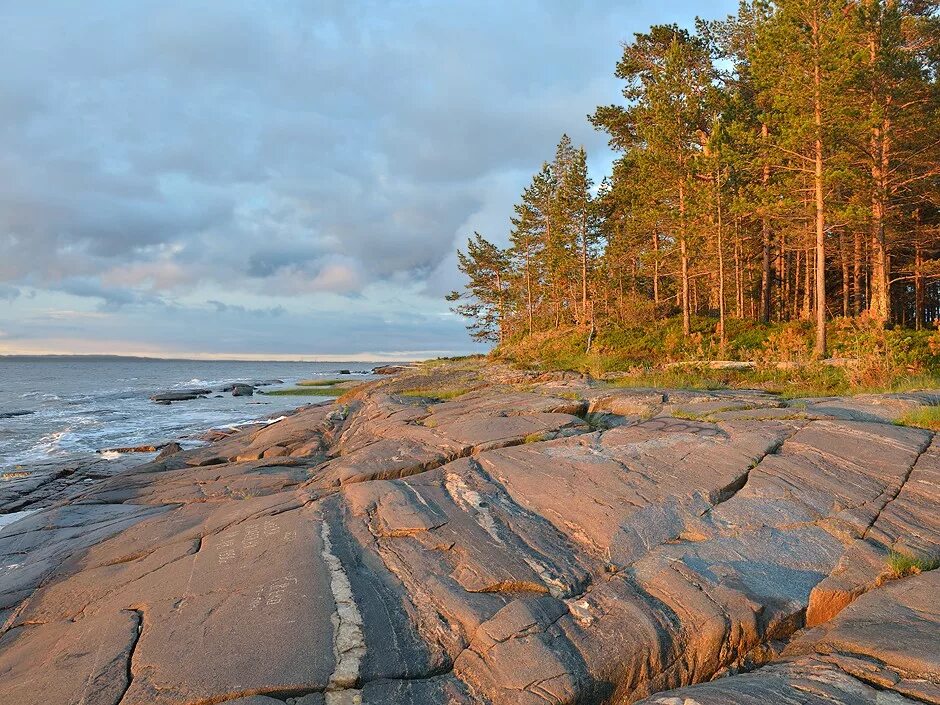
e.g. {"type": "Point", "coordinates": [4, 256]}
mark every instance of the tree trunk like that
{"type": "Point", "coordinates": [683, 253]}
{"type": "Point", "coordinates": [784, 274]}
{"type": "Point", "coordinates": [656, 268]}
{"type": "Point", "coordinates": [807, 284]}
{"type": "Point", "coordinates": [584, 258]}
{"type": "Point", "coordinates": [918, 275]}
{"type": "Point", "coordinates": [880, 300]}
{"type": "Point", "coordinates": [738, 273]}
{"type": "Point", "coordinates": [528, 287]}
{"type": "Point", "coordinates": [765, 281]}
{"type": "Point", "coordinates": [844, 257]}
{"type": "Point", "coordinates": [857, 275]}
{"type": "Point", "coordinates": [721, 267]}
{"type": "Point", "coordinates": [820, 348]}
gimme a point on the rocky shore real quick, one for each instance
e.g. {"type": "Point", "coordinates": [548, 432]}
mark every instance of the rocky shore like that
{"type": "Point", "coordinates": [466, 534]}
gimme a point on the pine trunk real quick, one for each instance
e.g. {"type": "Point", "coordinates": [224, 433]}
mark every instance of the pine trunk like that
{"type": "Point", "coordinates": [818, 184]}
{"type": "Point", "coordinates": [765, 281]}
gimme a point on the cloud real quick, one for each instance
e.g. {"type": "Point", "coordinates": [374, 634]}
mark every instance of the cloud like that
{"type": "Point", "coordinates": [155, 153]}
{"type": "Point", "coordinates": [9, 293]}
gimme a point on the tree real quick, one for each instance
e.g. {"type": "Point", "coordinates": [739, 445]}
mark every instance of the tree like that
{"type": "Point", "coordinates": [485, 296]}
{"type": "Point", "coordinates": [668, 75]}
{"type": "Point", "coordinates": [800, 66]}
{"type": "Point", "coordinates": [789, 153]}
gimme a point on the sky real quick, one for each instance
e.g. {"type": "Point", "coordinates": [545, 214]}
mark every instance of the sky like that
{"type": "Point", "coordinates": [283, 179]}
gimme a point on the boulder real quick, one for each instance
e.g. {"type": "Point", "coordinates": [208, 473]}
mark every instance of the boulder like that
{"type": "Point", "coordinates": [242, 390]}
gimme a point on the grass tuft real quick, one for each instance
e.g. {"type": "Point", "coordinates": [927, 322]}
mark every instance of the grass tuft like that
{"type": "Point", "coordinates": [440, 393]}
{"type": "Point", "coordinates": [925, 417]}
{"type": "Point", "coordinates": [902, 564]}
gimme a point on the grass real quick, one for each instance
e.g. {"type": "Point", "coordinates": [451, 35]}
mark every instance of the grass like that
{"type": "Point", "coordinates": [317, 391]}
{"type": "Point", "coordinates": [902, 564]}
{"type": "Point", "coordinates": [320, 382]}
{"type": "Point", "coordinates": [535, 438]}
{"type": "Point", "coordinates": [925, 417]}
{"type": "Point", "coordinates": [809, 381]}
{"type": "Point", "coordinates": [873, 359]}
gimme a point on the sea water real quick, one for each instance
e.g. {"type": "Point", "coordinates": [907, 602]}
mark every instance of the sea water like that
{"type": "Point", "coordinates": [78, 406]}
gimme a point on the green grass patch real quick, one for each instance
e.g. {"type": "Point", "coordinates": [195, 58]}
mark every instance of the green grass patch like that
{"type": "Point", "coordinates": [320, 382]}
{"type": "Point", "coordinates": [902, 564]}
{"type": "Point", "coordinates": [442, 394]}
{"type": "Point", "coordinates": [925, 417]}
{"type": "Point", "coordinates": [318, 391]}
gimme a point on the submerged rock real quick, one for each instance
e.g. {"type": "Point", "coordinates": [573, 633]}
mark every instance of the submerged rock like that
{"type": "Point", "coordinates": [13, 414]}
{"type": "Point", "coordinates": [180, 395]}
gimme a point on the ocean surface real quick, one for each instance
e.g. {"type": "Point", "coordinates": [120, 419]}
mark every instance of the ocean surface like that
{"type": "Point", "coordinates": [82, 405]}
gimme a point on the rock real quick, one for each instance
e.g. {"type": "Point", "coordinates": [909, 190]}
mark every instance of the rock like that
{"type": "Point", "coordinates": [391, 369]}
{"type": "Point", "coordinates": [882, 649]}
{"type": "Point", "coordinates": [242, 390]}
{"type": "Point", "coordinates": [168, 450]}
{"type": "Point", "coordinates": [345, 372]}
{"type": "Point", "coordinates": [180, 395]}
{"type": "Point", "coordinates": [502, 547]}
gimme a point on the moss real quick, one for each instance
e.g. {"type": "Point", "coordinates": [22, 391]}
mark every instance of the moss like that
{"type": "Point", "coordinates": [689, 415]}
{"type": "Point", "coordinates": [925, 417]}
{"type": "Point", "coordinates": [573, 396]}
{"type": "Point", "coordinates": [901, 565]}
{"type": "Point", "coordinates": [534, 438]}
{"type": "Point", "coordinates": [439, 393]}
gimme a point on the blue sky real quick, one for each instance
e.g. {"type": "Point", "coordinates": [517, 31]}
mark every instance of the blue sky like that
{"type": "Point", "coordinates": [278, 179]}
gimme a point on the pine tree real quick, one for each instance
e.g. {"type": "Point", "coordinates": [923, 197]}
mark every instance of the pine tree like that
{"type": "Point", "coordinates": [486, 296]}
{"type": "Point", "coordinates": [800, 68]}
{"type": "Point", "coordinates": [668, 74]}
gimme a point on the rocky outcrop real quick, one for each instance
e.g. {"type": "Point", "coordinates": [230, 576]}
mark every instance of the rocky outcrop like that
{"type": "Point", "coordinates": [544, 542]}
{"type": "Point", "coordinates": [880, 649]}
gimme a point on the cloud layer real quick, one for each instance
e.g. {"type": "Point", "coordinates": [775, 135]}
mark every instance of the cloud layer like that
{"type": "Point", "coordinates": [245, 168]}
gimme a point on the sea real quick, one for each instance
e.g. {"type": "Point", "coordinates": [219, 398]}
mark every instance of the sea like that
{"type": "Point", "coordinates": [66, 408]}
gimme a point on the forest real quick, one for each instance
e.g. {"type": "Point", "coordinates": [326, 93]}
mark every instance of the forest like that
{"type": "Point", "coordinates": [779, 165]}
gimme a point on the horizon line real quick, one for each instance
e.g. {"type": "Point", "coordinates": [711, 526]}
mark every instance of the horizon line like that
{"type": "Point", "coordinates": [403, 356]}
